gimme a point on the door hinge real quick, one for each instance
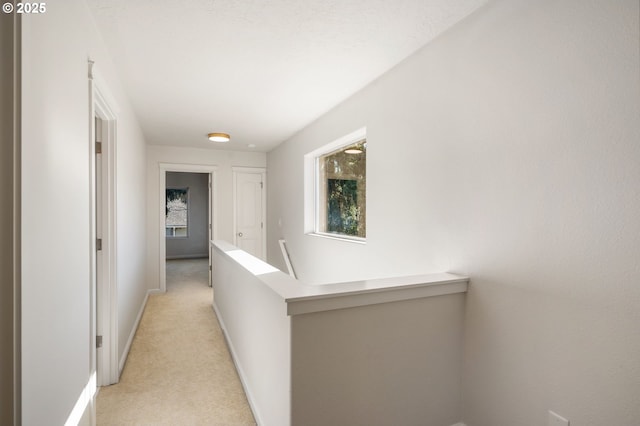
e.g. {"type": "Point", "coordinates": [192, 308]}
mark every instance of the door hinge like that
{"type": "Point", "coordinates": [98, 147]}
{"type": "Point", "coordinates": [99, 244]}
{"type": "Point", "coordinates": [210, 268]}
{"type": "Point", "coordinates": [261, 185]}
{"type": "Point", "coordinates": [98, 341]}
{"type": "Point", "coordinates": [261, 225]}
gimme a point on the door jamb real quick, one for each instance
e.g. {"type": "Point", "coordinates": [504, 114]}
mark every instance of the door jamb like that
{"type": "Point", "coordinates": [213, 205]}
{"type": "Point", "coordinates": [102, 106]}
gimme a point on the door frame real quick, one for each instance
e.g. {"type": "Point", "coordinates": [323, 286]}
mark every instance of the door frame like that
{"type": "Point", "coordinates": [213, 209]}
{"type": "Point", "coordinates": [263, 174]}
{"type": "Point", "coordinates": [10, 219]}
{"type": "Point", "coordinates": [104, 295]}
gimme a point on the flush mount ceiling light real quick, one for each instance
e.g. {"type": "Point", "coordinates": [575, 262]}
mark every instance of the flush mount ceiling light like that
{"type": "Point", "coordinates": [353, 151]}
{"type": "Point", "coordinates": [219, 137]}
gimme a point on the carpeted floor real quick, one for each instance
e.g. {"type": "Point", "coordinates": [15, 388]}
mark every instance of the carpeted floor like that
{"type": "Point", "coordinates": [179, 371]}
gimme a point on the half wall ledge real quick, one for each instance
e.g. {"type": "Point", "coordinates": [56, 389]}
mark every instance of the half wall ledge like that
{"type": "Point", "coordinates": [341, 353]}
{"type": "Point", "coordinates": [301, 298]}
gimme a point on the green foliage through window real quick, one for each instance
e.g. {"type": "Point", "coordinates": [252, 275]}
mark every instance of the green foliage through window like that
{"type": "Point", "coordinates": [342, 198]}
{"type": "Point", "coordinates": [343, 213]}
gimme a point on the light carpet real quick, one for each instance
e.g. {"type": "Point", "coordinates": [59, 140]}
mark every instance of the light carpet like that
{"type": "Point", "coordinates": [179, 370]}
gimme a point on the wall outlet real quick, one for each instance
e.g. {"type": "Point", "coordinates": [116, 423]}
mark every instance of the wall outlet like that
{"type": "Point", "coordinates": [557, 420]}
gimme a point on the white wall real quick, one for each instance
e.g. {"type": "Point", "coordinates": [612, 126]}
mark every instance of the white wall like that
{"type": "Point", "coordinates": [224, 160]}
{"type": "Point", "coordinates": [56, 208]}
{"type": "Point", "coordinates": [258, 331]}
{"type": "Point", "coordinates": [196, 243]}
{"type": "Point", "coordinates": [506, 150]}
{"type": "Point", "coordinates": [394, 363]}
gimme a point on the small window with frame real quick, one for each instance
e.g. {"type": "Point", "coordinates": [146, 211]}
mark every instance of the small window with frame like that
{"type": "Point", "coordinates": [339, 181]}
{"type": "Point", "coordinates": [177, 213]}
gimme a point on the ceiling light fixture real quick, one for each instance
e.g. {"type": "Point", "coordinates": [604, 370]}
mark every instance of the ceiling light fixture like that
{"type": "Point", "coordinates": [219, 137]}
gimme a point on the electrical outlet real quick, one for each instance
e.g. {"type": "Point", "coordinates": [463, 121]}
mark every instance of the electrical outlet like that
{"type": "Point", "coordinates": [557, 420]}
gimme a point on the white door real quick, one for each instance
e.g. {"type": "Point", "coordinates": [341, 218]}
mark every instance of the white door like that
{"type": "Point", "coordinates": [210, 216]}
{"type": "Point", "coordinates": [249, 210]}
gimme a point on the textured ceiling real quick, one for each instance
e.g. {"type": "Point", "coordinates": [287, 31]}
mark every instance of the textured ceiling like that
{"type": "Point", "coordinates": [257, 69]}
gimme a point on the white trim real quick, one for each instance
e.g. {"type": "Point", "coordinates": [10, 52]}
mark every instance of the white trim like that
{"type": "Point", "coordinates": [311, 185]}
{"type": "Point", "coordinates": [352, 137]}
{"type": "Point", "coordinates": [11, 111]}
{"type": "Point", "coordinates": [302, 298]}
{"type": "Point", "coordinates": [347, 238]}
{"type": "Point", "coordinates": [84, 401]}
{"type": "Point", "coordinates": [310, 192]}
{"type": "Point", "coordinates": [234, 201]}
{"type": "Point", "coordinates": [81, 404]}
{"type": "Point", "coordinates": [241, 374]}
{"type": "Point", "coordinates": [193, 168]}
{"type": "Point", "coordinates": [96, 77]}
{"type": "Point", "coordinates": [242, 169]}
{"type": "Point", "coordinates": [163, 168]}
{"type": "Point", "coordinates": [104, 301]}
{"type": "Point", "coordinates": [459, 424]}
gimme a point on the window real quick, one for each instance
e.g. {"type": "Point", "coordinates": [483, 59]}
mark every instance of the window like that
{"type": "Point", "coordinates": [177, 212]}
{"type": "Point", "coordinates": [338, 183]}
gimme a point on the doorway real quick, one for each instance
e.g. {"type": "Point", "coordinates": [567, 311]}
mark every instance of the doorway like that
{"type": "Point", "coordinates": [187, 220]}
{"type": "Point", "coordinates": [180, 180]}
{"type": "Point", "coordinates": [104, 315]}
{"type": "Point", "coordinates": [249, 212]}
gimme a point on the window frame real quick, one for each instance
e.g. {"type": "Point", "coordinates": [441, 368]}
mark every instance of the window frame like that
{"type": "Point", "coordinates": [188, 203]}
{"type": "Point", "coordinates": [312, 193]}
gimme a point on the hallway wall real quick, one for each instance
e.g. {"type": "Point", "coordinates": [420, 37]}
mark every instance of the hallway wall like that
{"type": "Point", "coordinates": [56, 245]}
{"type": "Point", "coordinates": [224, 160]}
{"type": "Point", "coordinates": [506, 150]}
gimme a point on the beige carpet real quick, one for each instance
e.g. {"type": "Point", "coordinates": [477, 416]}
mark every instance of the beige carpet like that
{"type": "Point", "coordinates": [179, 371]}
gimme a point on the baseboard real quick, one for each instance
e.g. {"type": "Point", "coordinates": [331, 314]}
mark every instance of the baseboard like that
{"type": "Point", "coordinates": [127, 347]}
{"type": "Point", "coordinates": [188, 256]}
{"type": "Point", "coordinates": [459, 424]}
{"type": "Point", "coordinates": [247, 391]}
{"type": "Point", "coordinates": [83, 412]}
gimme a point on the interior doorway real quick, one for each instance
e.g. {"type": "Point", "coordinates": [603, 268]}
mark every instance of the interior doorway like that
{"type": "Point", "coordinates": [182, 230]}
{"type": "Point", "coordinates": [187, 219]}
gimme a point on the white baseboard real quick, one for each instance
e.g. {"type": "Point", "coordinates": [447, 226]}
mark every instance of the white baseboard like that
{"type": "Point", "coordinates": [459, 424]}
{"type": "Point", "coordinates": [241, 374]}
{"type": "Point", "coordinates": [127, 347]}
{"type": "Point", "coordinates": [83, 412]}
